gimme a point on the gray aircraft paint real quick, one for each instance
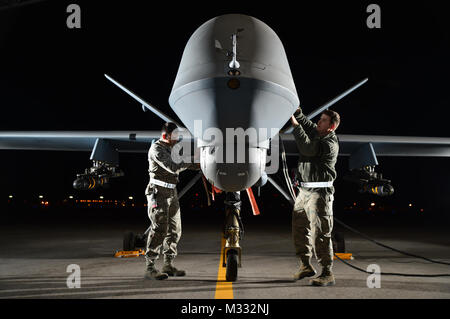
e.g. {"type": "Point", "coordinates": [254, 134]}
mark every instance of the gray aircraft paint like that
{"type": "Point", "coordinates": [262, 61]}
{"type": "Point", "coordinates": [265, 99]}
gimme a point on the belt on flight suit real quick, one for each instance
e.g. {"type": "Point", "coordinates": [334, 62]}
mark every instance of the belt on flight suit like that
{"type": "Point", "coordinates": [161, 183]}
{"type": "Point", "coordinates": [316, 184]}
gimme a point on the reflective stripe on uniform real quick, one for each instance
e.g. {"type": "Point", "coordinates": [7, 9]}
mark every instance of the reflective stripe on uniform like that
{"type": "Point", "coordinates": [316, 184]}
{"type": "Point", "coordinates": [161, 183]}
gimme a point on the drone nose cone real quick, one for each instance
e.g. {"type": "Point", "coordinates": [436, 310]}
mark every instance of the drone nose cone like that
{"type": "Point", "coordinates": [254, 89]}
{"type": "Point", "coordinates": [236, 177]}
{"type": "Point", "coordinates": [232, 176]}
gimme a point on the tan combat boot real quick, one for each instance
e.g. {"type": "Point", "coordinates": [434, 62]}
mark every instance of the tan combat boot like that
{"type": "Point", "coordinates": [305, 270]}
{"type": "Point", "coordinates": [326, 278]}
{"type": "Point", "coordinates": [152, 273]}
{"type": "Point", "coordinates": [169, 268]}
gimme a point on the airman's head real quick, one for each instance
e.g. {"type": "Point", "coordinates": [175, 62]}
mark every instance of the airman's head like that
{"type": "Point", "coordinates": [328, 122]}
{"type": "Point", "coordinates": [169, 133]}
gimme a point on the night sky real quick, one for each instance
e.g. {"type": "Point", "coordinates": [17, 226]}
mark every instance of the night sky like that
{"type": "Point", "coordinates": [51, 78]}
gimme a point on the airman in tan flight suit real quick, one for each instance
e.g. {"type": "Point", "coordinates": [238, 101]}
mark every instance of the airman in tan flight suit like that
{"type": "Point", "coordinates": [163, 206]}
{"type": "Point", "coordinates": [313, 209]}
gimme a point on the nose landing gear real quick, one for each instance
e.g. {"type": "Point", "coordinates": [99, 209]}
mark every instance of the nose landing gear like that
{"type": "Point", "coordinates": [233, 231]}
{"type": "Point", "coordinates": [232, 254]}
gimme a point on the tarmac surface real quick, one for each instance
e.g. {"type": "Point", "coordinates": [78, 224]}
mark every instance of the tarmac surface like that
{"type": "Point", "coordinates": [34, 260]}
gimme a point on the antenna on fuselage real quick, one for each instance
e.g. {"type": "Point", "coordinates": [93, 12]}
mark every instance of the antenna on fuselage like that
{"type": "Point", "coordinates": [234, 64]}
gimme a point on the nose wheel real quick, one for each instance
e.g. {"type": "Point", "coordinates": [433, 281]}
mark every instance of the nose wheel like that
{"type": "Point", "coordinates": [232, 254]}
{"type": "Point", "coordinates": [232, 232]}
{"type": "Point", "coordinates": [232, 265]}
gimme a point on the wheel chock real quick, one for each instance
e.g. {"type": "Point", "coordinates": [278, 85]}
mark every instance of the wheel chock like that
{"type": "Point", "coordinates": [129, 253]}
{"type": "Point", "coordinates": [344, 256]}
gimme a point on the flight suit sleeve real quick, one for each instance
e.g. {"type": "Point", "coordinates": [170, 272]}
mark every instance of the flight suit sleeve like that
{"type": "Point", "coordinates": [164, 159]}
{"type": "Point", "coordinates": [307, 124]}
{"type": "Point", "coordinates": [306, 145]}
{"type": "Point", "coordinates": [329, 150]}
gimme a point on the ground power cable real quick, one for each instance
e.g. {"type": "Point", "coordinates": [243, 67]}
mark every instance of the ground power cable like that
{"type": "Point", "coordinates": [290, 186]}
{"type": "Point", "coordinates": [285, 170]}
{"type": "Point", "coordinates": [390, 273]}
{"type": "Point", "coordinates": [388, 247]}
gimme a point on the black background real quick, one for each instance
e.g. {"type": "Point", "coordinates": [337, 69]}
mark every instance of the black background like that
{"type": "Point", "coordinates": [51, 78]}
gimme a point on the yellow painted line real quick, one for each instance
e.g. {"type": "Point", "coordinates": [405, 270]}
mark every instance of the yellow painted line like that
{"type": "Point", "coordinates": [224, 289]}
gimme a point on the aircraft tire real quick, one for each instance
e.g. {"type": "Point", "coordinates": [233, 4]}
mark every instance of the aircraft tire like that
{"type": "Point", "coordinates": [129, 240]}
{"type": "Point", "coordinates": [339, 243]}
{"type": "Point", "coordinates": [140, 241]}
{"type": "Point", "coordinates": [232, 266]}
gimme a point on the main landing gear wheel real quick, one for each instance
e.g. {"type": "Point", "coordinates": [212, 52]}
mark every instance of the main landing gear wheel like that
{"type": "Point", "coordinates": [129, 241]}
{"type": "Point", "coordinates": [338, 242]}
{"type": "Point", "coordinates": [232, 265]}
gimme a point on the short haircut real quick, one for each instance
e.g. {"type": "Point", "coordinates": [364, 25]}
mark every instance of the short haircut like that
{"type": "Point", "coordinates": [168, 128]}
{"type": "Point", "coordinates": [335, 118]}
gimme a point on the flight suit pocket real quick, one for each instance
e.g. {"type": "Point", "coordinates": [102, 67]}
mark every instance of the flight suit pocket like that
{"type": "Point", "coordinates": [148, 189]}
{"type": "Point", "coordinates": [325, 205]}
{"type": "Point", "coordinates": [328, 207]}
{"type": "Point", "coordinates": [152, 202]}
{"type": "Point", "coordinates": [152, 197]}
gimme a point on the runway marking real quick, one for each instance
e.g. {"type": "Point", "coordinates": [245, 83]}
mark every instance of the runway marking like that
{"type": "Point", "coordinates": [224, 289]}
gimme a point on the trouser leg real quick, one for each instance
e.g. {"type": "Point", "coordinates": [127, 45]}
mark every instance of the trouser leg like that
{"type": "Point", "coordinates": [158, 231]}
{"type": "Point", "coordinates": [323, 243]}
{"type": "Point", "coordinates": [174, 229]}
{"type": "Point", "coordinates": [302, 224]}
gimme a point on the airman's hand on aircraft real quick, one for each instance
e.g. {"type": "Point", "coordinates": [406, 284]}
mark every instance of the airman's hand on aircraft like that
{"type": "Point", "coordinates": [298, 111]}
